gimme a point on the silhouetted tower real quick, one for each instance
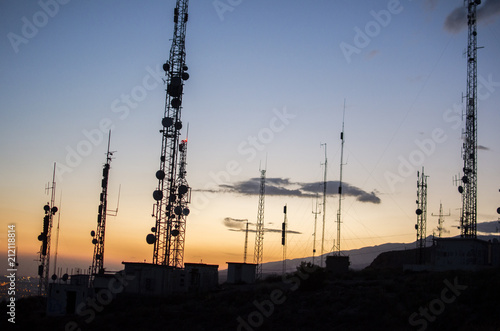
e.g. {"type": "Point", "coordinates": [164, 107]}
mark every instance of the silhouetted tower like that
{"type": "Point", "coordinates": [339, 212]}
{"type": "Point", "coordinates": [468, 226]}
{"type": "Point", "coordinates": [315, 212]}
{"type": "Point", "coordinates": [181, 210]}
{"type": "Point", "coordinates": [44, 258]}
{"type": "Point", "coordinates": [246, 244]}
{"type": "Point", "coordinates": [98, 236]}
{"type": "Point", "coordinates": [259, 233]}
{"type": "Point", "coordinates": [440, 219]}
{"type": "Point", "coordinates": [168, 249]}
{"type": "Point", "coordinates": [283, 238]}
{"type": "Point", "coordinates": [421, 212]}
{"type": "Point", "coordinates": [324, 210]}
{"type": "Point", "coordinates": [54, 275]}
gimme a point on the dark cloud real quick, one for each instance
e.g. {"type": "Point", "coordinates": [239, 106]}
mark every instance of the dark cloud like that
{"type": "Point", "coordinates": [239, 225]}
{"type": "Point", "coordinates": [285, 187]}
{"type": "Point", "coordinates": [491, 227]}
{"type": "Point", "coordinates": [332, 187]}
{"type": "Point", "coordinates": [253, 230]}
{"type": "Point", "coordinates": [457, 19]}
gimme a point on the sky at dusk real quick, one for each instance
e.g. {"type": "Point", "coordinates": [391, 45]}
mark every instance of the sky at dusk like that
{"type": "Point", "coordinates": [268, 80]}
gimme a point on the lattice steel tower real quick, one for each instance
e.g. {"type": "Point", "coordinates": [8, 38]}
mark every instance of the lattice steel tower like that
{"type": "Point", "coordinates": [44, 258]}
{"type": "Point", "coordinates": [259, 233]}
{"type": "Point", "coordinates": [168, 234]}
{"type": "Point", "coordinates": [98, 236]}
{"type": "Point", "coordinates": [421, 212]}
{"type": "Point", "coordinates": [468, 225]}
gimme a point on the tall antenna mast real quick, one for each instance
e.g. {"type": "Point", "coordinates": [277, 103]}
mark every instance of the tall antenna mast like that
{"type": "Point", "coordinates": [246, 244]}
{"type": "Point", "coordinates": [315, 212]}
{"type": "Point", "coordinates": [339, 212]}
{"type": "Point", "coordinates": [324, 211]}
{"type": "Point", "coordinates": [421, 212]}
{"type": "Point", "coordinates": [440, 216]}
{"type": "Point", "coordinates": [54, 275]}
{"type": "Point", "coordinates": [468, 219]}
{"type": "Point", "coordinates": [259, 233]}
{"type": "Point", "coordinates": [98, 236]}
{"type": "Point", "coordinates": [167, 235]}
{"type": "Point", "coordinates": [44, 258]}
{"type": "Point", "coordinates": [283, 238]}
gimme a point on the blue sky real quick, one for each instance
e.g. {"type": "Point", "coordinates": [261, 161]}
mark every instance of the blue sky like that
{"type": "Point", "coordinates": [271, 74]}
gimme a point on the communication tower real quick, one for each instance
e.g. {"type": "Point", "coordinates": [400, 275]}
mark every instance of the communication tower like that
{"type": "Point", "coordinates": [315, 212]}
{"type": "Point", "coordinates": [440, 216]}
{"type": "Point", "coordinates": [259, 233]}
{"type": "Point", "coordinates": [167, 235]}
{"type": "Point", "coordinates": [44, 258]}
{"type": "Point", "coordinates": [468, 189]}
{"type": "Point", "coordinates": [324, 211]}
{"type": "Point", "coordinates": [283, 238]}
{"type": "Point", "coordinates": [246, 244]}
{"type": "Point", "coordinates": [98, 236]}
{"type": "Point", "coordinates": [339, 212]}
{"type": "Point", "coordinates": [421, 212]}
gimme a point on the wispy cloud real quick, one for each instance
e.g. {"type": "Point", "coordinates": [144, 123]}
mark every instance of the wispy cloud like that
{"type": "Point", "coordinates": [239, 225]}
{"type": "Point", "coordinates": [457, 19]}
{"type": "Point", "coordinates": [285, 187]}
{"type": "Point", "coordinates": [483, 148]}
{"type": "Point", "coordinates": [491, 227]}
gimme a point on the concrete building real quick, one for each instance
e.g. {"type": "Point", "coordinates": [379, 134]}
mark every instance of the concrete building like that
{"type": "Point", "coordinates": [241, 273]}
{"type": "Point", "coordinates": [159, 280]}
{"type": "Point", "coordinates": [65, 295]}
{"type": "Point", "coordinates": [337, 264]}
{"type": "Point", "coordinates": [465, 253]}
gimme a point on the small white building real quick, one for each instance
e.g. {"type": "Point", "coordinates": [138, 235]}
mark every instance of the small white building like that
{"type": "Point", "coordinates": [65, 295]}
{"type": "Point", "coordinates": [465, 253]}
{"type": "Point", "coordinates": [241, 273]}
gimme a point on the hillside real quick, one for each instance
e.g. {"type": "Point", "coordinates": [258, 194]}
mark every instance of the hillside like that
{"type": "Point", "coordinates": [360, 300]}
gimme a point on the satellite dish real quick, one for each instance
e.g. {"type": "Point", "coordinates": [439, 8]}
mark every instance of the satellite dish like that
{"type": "Point", "coordinates": [166, 67]}
{"type": "Point", "coordinates": [418, 211]}
{"type": "Point", "coordinates": [150, 239]}
{"type": "Point", "coordinates": [178, 125]}
{"type": "Point", "coordinates": [94, 241]}
{"type": "Point", "coordinates": [460, 189]}
{"type": "Point", "coordinates": [54, 210]}
{"type": "Point", "coordinates": [65, 277]}
{"type": "Point", "coordinates": [46, 208]}
{"type": "Point", "coordinates": [183, 189]}
{"type": "Point", "coordinates": [176, 102]}
{"type": "Point", "coordinates": [153, 229]}
{"type": "Point", "coordinates": [157, 195]}
{"type": "Point", "coordinates": [465, 180]}
{"type": "Point", "coordinates": [185, 76]}
{"type": "Point", "coordinates": [178, 210]}
{"type": "Point", "coordinates": [40, 237]}
{"type": "Point", "coordinates": [175, 233]}
{"type": "Point", "coordinates": [498, 210]}
{"type": "Point", "coordinates": [92, 233]}
{"type": "Point", "coordinates": [167, 121]}
{"type": "Point", "coordinates": [185, 211]}
{"type": "Point", "coordinates": [54, 277]}
{"type": "Point", "coordinates": [160, 174]}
